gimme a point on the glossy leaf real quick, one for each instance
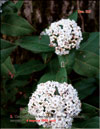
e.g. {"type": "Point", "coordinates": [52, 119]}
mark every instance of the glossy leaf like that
{"type": "Point", "coordinates": [67, 61]}
{"type": "Point", "coordinates": [87, 109]}
{"type": "Point", "coordinates": [86, 63]}
{"type": "Point", "coordinates": [35, 44]}
{"type": "Point", "coordinates": [92, 44]}
{"type": "Point", "coordinates": [87, 59]}
{"type": "Point", "coordinates": [7, 68]}
{"type": "Point", "coordinates": [6, 49]}
{"type": "Point", "coordinates": [87, 117]}
{"type": "Point", "coordinates": [92, 123]}
{"type": "Point", "coordinates": [61, 75]}
{"type": "Point", "coordinates": [85, 36]}
{"type": "Point", "coordinates": [29, 67]}
{"type": "Point", "coordinates": [9, 7]}
{"type": "Point", "coordinates": [53, 66]}
{"type": "Point", "coordinates": [14, 25]}
{"type": "Point", "coordinates": [85, 87]}
{"type": "Point", "coordinates": [73, 16]}
{"type": "Point", "coordinates": [16, 83]}
{"type": "Point", "coordinates": [62, 60]}
{"type": "Point", "coordinates": [47, 77]}
{"type": "Point", "coordinates": [19, 4]}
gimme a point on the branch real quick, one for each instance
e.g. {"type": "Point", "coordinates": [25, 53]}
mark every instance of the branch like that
{"type": "Point", "coordinates": [82, 19]}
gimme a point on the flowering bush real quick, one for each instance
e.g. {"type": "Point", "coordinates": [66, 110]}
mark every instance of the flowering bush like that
{"type": "Point", "coordinates": [64, 35]}
{"type": "Point", "coordinates": [51, 74]}
{"type": "Point", "coordinates": [54, 100]}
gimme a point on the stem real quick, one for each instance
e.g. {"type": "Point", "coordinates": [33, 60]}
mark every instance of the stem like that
{"type": "Point", "coordinates": [62, 61]}
{"type": "Point", "coordinates": [63, 70]}
{"type": "Point", "coordinates": [82, 19]}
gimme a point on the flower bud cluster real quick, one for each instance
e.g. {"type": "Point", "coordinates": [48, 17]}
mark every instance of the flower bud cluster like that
{"type": "Point", "coordinates": [55, 101]}
{"type": "Point", "coordinates": [64, 35]}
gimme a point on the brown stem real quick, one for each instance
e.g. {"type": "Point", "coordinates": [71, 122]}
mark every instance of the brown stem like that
{"type": "Point", "coordinates": [82, 19]}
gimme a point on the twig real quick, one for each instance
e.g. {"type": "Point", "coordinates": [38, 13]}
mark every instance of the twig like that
{"type": "Point", "coordinates": [82, 19]}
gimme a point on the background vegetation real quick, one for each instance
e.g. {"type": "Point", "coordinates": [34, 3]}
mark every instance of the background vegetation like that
{"type": "Point", "coordinates": [26, 59]}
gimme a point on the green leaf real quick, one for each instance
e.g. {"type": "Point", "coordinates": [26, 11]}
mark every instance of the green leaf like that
{"type": "Point", "coordinates": [19, 4]}
{"type": "Point", "coordinates": [89, 110]}
{"type": "Point", "coordinates": [62, 60]}
{"type": "Point", "coordinates": [92, 44]}
{"type": "Point", "coordinates": [87, 59]}
{"type": "Point", "coordinates": [73, 16]}
{"type": "Point", "coordinates": [70, 60]}
{"type": "Point", "coordinates": [85, 36]}
{"type": "Point", "coordinates": [56, 73]}
{"type": "Point", "coordinates": [29, 67]}
{"type": "Point", "coordinates": [7, 67]}
{"type": "Point", "coordinates": [67, 61]}
{"type": "Point", "coordinates": [89, 123]}
{"type": "Point", "coordinates": [61, 75]}
{"type": "Point", "coordinates": [16, 83]}
{"type": "Point", "coordinates": [92, 123]}
{"type": "Point", "coordinates": [14, 25]}
{"type": "Point", "coordinates": [85, 87]}
{"type": "Point", "coordinates": [47, 77]}
{"type": "Point", "coordinates": [87, 115]}
{"type": "Point", "coordinates": [35, 44]}
{"type": "Point", "coordinates": [6, 49]}
{"type": "Point", "coordinates": [86, 63]}
{"type": "Point", "coordinates": [53, 66]}
{"type": "Point", "coordinates": [9, 7]}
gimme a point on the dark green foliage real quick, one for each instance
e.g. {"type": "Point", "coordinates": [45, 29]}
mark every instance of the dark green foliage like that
{"type": "Point", "coordinates": [35, 44]}
{"type": "Point", "coordinates": [7, 68]}
{"type": "Point", "coordinates": [19, 79]}
{"type": "Point", "coordinates": [29, 67]}
{"type": "Point", "coordinates": [6, 49]}
{"type": "Point", "coordinates": [87, 58]}
{"type": "Point", "coordinates": [86, 63]}
{"type": "Point", "coordinates": [14, 25]}
{"type": "Point", "coordinates": [85, 87]}
{"type": "Point", "coordinates": [73, 16]}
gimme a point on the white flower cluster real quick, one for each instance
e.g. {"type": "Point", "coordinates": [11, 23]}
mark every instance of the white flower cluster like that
{"type": "Point", "coordinates": [55, 101]}
{"type": "Point", "coordinates": [1, 3]}
{"type": "Point", "coordinates": [64, 35]}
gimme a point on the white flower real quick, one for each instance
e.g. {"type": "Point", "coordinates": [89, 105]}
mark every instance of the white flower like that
{"type": "Point", "coordinates": [1, 3]}
{"type": "Point", "coordinates": [64, 36]}
{"type": "Point", "coordinates": [55, 101]}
